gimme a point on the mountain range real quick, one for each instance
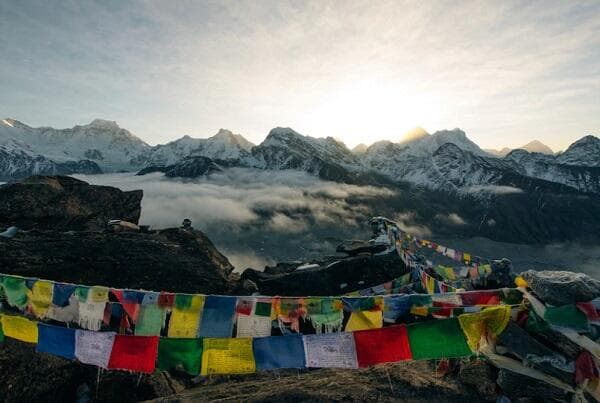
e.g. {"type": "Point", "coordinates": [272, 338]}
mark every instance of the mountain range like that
{"type": "Point", "coordinates": [445, 160]}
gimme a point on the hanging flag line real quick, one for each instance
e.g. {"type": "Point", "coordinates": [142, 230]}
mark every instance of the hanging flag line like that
{"type": "Point", "coordinates": [448, 338]}
{"type": "Point", "coordinates": [190, 316]}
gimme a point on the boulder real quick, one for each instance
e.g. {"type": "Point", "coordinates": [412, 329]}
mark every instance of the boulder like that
{"type": "Point", "coordinates": [171, 260]}
{"type": "Point", "coordinates": [330, 277]}
{"type": "Point", "coordinates": [562, 287]}
{"type": "Point", "coordinates": [65, 203]}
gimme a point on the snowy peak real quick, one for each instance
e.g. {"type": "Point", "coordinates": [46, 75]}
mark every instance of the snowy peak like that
{"type": "Point", "coordinates": [585, 152]}
{"type": "Point", "coordinates": [536, 146]}
{"type": "Point", "coordinates": [360, 149]}
{"type": "Point", "coordinates": [104, 124]}
{"type": "Point", "coordinates": [227, 136]}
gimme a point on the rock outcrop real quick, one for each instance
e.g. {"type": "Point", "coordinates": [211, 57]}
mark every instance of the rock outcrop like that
{"type": "Point", "coordinates": [562, 287]}
{"type": "Point", "coordinates": [65, 203]}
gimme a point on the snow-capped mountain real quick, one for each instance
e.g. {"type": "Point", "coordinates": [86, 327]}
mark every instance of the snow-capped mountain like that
{"type": "Point", "coordinates": [102, 141]}
{"type": "Point", "coordinates": [584, 152]}
{"type": "Point", "coordinates": [224, 145]}
{"type": "Point", "coordinates": [534, 146]}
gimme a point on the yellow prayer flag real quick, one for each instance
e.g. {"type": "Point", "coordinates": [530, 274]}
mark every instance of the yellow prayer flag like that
{"type": "Point", "coordinates": [20, 328]}
{"type": "Point", "coordinates": [184, 323]}
{"type": "Point", "coordinates": [40, 297]}
{"type": "Point", "coordinates": [430, 285]}
{"type": "Point", "coordinates": [467, 257]}
{"type": "Point", "coordinates": [361, 320]}
{"type": "Point", "coordinates": [98, 294]}
{"type": "Point", "coordinates": [476, 325]}
{"type": "Point", "coordinates": [227, 356]}
{"type": "Point", "coordinates": [419, 310]}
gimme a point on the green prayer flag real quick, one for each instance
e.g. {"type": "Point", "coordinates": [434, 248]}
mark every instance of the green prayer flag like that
{"type": "Point", "coordinates": [15, 289]}
{"type": "Point", "coordinates": [183, 301]}
{"type": "Point", "coordinates": [1, 335]}
{"type": "Point", "coordinates": [150, 321]}
{"type": "Point", "coordinates": [437, 339]}
{"type": "Point", "coordinates": [82, 293]}
{"type": "Point", "coordinates": [262, 309]}
{"type": "Point", "coordinates": [186, 353]}
{"type": "Point", "coordinates": [567, 316]}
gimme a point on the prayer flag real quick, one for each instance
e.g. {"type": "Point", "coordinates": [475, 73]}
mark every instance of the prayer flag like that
{"type": "Point", "coordinates": [362, 320]}
{"type": "Point", "coordinates": [62, 293]}
{"type": "Point", "coordinates": [217, 317]}
{"type": "Point", "coordinates": [151, 320]}
{"type": "Point", "coordinates": [94, 348]}
{"type": "Point", "coordinates": [134, 353]}
{"type": "Point", "coordinates": [476, 325]}
{"type": "Point", "coordinates": [395, 307]}
{"type": "Point", "coordinates": [15, 290]}
{"type": "Point", "coordinates": [55, 340]}
{"type": "Point", "coordinates": [263, 308]}
{"type": "Point", "coordinates": [40, 298]}
{"type": "Point", "coordinates": [186, 353]}
{"type": "Point", "coordinates": [331, 350]}
{"type": "Point", "coordinates": [279, 352]}
{"type": "Point", "coordinates": [437, 339]}
{"type": "Point", "coordinates": [378, 346]}
{"type": "Point", "coordinates": [227, 356]}
{"type": "Point", "coordinates": [567, 316]}
{"type": "Point", "coordinates": [19, 328]}
{"type": "Point", "coordinates": [185, 317]}
{"type": "Point", "coordinates": [253, 326]}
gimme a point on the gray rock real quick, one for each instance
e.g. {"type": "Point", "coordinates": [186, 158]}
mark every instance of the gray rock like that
{"type": "Point", "coordinates": [562, 287]}
{"type": "Point", "coordinates": [517, 386]}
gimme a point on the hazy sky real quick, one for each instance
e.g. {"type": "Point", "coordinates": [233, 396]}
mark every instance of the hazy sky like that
{"type": "Point", "coordinates": [505, 72]}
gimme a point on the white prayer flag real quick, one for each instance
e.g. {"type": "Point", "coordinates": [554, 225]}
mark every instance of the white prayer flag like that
{"type": "Point", "coordinates": [94, 347]}
{"type": "Point", "coordinates": [253, 326]}
{"type": "Point", "coordinates": [331, 350]}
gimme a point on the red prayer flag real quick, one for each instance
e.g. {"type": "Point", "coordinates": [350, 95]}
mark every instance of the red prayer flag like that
{"type": "Point", "coordinates": [585, 368]}
{"type": "Point", "coordinates": [134, 353]}
{"type": "Point", "coordinates": [377, 346]}
{"type": "Point", "coordinates": [589, 310]}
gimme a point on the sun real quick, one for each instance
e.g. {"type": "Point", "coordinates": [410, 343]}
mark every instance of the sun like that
{"type": "Point", "coordinates": [367, 111]}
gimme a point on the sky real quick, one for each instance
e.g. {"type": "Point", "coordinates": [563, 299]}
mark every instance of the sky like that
{"type": "Point", "coordinates": [360, 71]}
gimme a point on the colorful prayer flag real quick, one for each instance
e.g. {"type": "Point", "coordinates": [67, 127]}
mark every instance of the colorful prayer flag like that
{"type": "Point", "coordinates": [362, 320]}
{"type": "Point", "coordinates": [331, 350]}
{"type": "Point", "coordinates": [437, 339]}
{"type": "Point", "coordinates": [185, 316]}
{"type": "Point", "coordinates": [253, 326]}
{"type": "Point", "coordinates": [134, 353]}
{"type": "Point", "coordinates": [227, 356]}
{"type": "Point", "coordinates": [378, 346]}
{"type": "Point", "coordinates": [19, 328]}
{"type": "Point", "coordinates": [151, 320]}
{"type": "Point", "coordinates": [186, 353]}
{"type": "Point", "coordinates": [55, 340]}
{"type": "Point", "coordinates": [217, 317]}
{"type": "Point", "coordinates": [279, 352]}
{"type": "Point", "coordinates": [94, 348]}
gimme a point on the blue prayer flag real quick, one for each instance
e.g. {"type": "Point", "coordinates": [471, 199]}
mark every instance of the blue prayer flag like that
{"type": "Point", "coordinates": [279, 352]}
{"type": "Point", "coordinates": [61, 294]}
{"type": "Point", "coordinates": [395, 306]}
{"type": "Point", "coordinates": [56, 340]}
{"type": "Point", "coordinates": [217, 317]}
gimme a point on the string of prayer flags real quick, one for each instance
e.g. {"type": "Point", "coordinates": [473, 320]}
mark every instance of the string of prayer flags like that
{"type": "Point", "coordinates": [227, 356]}
{"type": "Point", "coordinates": [330, 350]}
{"type": "Point", "coordinates": [379, 346]}
{"type": "Point", "coordinates": [477, 325]}
{"type": "Point", "coordinates": [55, 340]}
{"type": "Point", "coordinates": [362, 320]}
{"type": "Point", "coordinates": [184, 353]}
{"type": "Point", "coordinates": [19, 328]}
{"type": "Point", "coordinates": [134, 353]}
{"type": "Point", "coordinates": [437, 339]}
{"type": "Point", "coordinates": [185, 316]}
{"type": "Point", "coordinates": [279, 352]}
{"type": "Point", "coordinates": [94, 348]}
{"type": "Point", "coordinates": [15, 291]}
{"type": "Point", "coordinates": [217, 317]}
